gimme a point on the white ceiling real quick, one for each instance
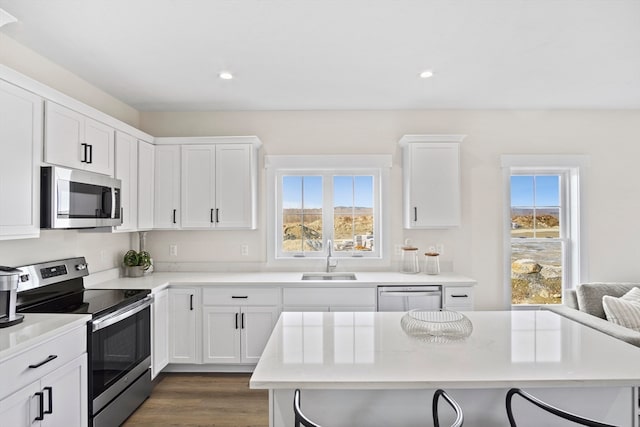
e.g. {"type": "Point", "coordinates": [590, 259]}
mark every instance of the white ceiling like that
{"type": "Point", "coordinates": [164, 55]}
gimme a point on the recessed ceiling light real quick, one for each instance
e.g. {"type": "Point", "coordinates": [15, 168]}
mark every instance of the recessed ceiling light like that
{"type": "Point", "coordinates": [426, 74]}
{"type": "Point", "coordinates": [225, 75]}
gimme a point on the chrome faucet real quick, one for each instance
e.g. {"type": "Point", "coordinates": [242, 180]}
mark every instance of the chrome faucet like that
{"type": "Point", "coordinates": [331, 263]}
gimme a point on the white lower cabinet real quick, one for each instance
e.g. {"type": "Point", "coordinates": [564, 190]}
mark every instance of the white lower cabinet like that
{"type": "Point", "coordinates": [238, 323]}
{"type": "Point", "coordinates": [160, 332]}
{"type": "Point", "coordinates": [184, 325]}
{"type": "Point", "coordinates": [47, 385]}
{"type": "Point", "coordinates": [236, 334]}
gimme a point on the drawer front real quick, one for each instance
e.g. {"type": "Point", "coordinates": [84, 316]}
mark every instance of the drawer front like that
{"type": "Point", "coordinates": [458, 296]}
{"type": "Point", "coordinates": [240, 296]}
{"type": "Point", "coordinates": [329, 296]}
{"type": "Point", "coordinates": [17, 373]}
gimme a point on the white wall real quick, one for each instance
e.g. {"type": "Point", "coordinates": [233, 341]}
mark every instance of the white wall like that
{"type": "Point", "coordinates": [611, 138]}
{"type": "Point", "coordinates": [102, 250]}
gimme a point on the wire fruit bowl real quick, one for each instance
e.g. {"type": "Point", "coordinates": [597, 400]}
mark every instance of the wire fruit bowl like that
{"type": "Point", "coordinates": [436, 325]}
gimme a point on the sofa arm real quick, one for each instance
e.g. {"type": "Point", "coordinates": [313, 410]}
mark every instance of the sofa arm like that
{"type": "Point", "coordinates": [625, 334]}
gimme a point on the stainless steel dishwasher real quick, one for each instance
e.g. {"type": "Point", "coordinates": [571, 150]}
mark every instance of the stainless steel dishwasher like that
{"type": "Point", "coordinates": [404, 298]}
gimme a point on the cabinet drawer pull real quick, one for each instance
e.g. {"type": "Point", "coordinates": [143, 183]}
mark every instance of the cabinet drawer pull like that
{"type": "Point", "coordinates": [460, 296]}
{"type": "Point", "coordinates": [40, 416]}
{"type": "Point", "coordinates": [239, 297]}
{"type": "Point", "coordinates": [47, 360]}
{"type": "Point", "coordinates": [50, 410]}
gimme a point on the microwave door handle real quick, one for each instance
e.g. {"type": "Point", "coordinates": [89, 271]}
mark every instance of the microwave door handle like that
{"type": "Point", "coordinates": [113, 203]}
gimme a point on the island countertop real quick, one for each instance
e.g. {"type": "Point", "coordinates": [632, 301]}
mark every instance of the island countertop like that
{"type": "Point", "coordinates": [505, 349]}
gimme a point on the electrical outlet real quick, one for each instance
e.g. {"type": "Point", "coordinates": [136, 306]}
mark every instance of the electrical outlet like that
{"type": "Point", "coordinates": [173, 250]}
{"type": "Point", "coordinates": [244, 250]}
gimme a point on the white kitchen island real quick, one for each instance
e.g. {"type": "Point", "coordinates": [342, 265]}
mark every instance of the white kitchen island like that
{"type": "Point", "coordinates": [361, 369]}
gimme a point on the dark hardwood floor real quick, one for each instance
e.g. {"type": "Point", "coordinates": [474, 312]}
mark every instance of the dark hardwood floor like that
{"type": "Point", "coordinates": [220, 400]}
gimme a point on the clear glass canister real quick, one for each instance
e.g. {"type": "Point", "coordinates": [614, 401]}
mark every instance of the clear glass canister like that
{"type": "Point", "coordinates": [410, 263]}
{"type": "Point", "coordinates": [432, 263]}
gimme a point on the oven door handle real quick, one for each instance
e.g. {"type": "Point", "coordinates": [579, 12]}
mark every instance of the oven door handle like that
{"type": "Point", "coordinates": [409, 293]}
{"type": "Point", "coordinates": [122, 314]}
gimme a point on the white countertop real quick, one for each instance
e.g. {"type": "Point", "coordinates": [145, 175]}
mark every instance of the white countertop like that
{"type": "Point", "coordinates": [36, 328]}
{"type": "Point", "coordinates": [159, 280]}
{"type": "Point", "coordinates": [505, 349]}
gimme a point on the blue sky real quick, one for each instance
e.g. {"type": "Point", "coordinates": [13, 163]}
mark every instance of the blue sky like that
{"type": "Point", "coordinates": [347, 191]}
{"type": "Point", "coordinates": [539, 190]}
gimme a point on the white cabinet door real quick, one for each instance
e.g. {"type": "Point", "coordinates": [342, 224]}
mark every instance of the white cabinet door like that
{"type": "Point", "coordinates": [21, 408]}
{"type": "Point", "coordinates": [256, 325]}
{"type": "Point", "coordinates": [77, 141]}
{"type": "Point", "coordinates": [65, 395]}
{"type": "Point", "coordinates": [99, 140]}
{"type": "Point", "coordinates": [64, 137]}
{"type": "Point", "coordinates": [233, 186]}
{"type": "Point", "coordinates": [20, 137]}
{"type": "Point", "coordinates": [184, 327]}
{"type": "Point", "coordinates": [160, 333]}
{"type": "Point", "coordinates": [431, 184]}
{"type": "Point", "coordinates": [166, 199]}
{"type": "Point", "coordinates": [145, 185]}
{"type": "Point", "coordinates": [126, 170]}
{"type": "Point", "coordinates": [221, 334]}
{"type": "Point", "coordinates": [198, 186]}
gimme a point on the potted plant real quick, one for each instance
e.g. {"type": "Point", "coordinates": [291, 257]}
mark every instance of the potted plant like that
{"type": "Point", "coordinates": [136, 263]}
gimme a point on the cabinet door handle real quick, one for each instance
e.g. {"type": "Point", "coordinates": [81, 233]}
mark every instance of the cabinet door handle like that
{"type": "Point", "coordinates": [415, 213]}
{"type": "Point", "coordinates": [45, 361]}
{"type": "Point", "coordinates": [211, 216]}
{"type": "Point", "coordinates": [460, 296]}
{"type": "Point", "coordinates": [50, 410]}
{"type": "Point", "coordinates": [191, 302]}
{"type": "Point", "coordinates": [90, 153]}
{"type": "Point", "coordinates": [242, 323]}
{"type": "Point", "coordinates": [174, 216]}
{"type": "Point", "coordinates": [122, 214]}
{"type": "Point", "coordinates": [236, 320]}
{"type": "Point", "coordinates": [84, 153]}
{"type": "Point", "coordinates": [40, 416]}
{"type": "Point", "coordinates": [217, 215]}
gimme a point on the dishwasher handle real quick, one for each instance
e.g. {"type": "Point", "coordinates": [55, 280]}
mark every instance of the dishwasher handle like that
{"type": "Point", "coordinates": [410, 293]}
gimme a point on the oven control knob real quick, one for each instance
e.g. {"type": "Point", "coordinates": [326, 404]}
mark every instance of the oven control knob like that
{"type": "Point", "coordinates": [80, 267]}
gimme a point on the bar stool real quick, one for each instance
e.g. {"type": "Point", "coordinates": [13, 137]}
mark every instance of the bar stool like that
{"type": "Point", "coordinates": [456, 407]}
{"type": "Point", "coordinates": [300, 418]}
{"type": "Point", "coordinates": [551, 409]}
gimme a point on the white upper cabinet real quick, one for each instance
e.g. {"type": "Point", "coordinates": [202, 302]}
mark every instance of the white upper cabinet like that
{"type": "Point", "coordinates": [77, 141]}
{"type": "Point", "coordinates": [146, 169]}
{"type": "Point", "coordinates": [431, 180]}
{"type": "Point", "coordinates": [218, 183]}
{"type": "Point", "coordinates": [126, 170]}
{"type": "Point", "coordinates": [166, 200]}
{"type": "Point", "coordinates": [20, 142]}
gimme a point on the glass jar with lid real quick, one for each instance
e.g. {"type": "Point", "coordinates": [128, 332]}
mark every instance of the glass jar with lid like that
{"type": "Point", "coordinates": [409, 263]}
{"type": "Point", "coordinates": [432, 262]}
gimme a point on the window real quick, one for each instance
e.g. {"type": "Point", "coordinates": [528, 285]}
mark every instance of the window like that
{"type": "Point", "coordinates": [542, 244]}
{"type": "Point", "coordinates": [314, 204]}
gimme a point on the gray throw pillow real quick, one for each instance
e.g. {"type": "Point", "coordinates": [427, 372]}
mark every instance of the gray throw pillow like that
{"type": "Point", "coordinates": [590, 295]}
{"type": "Point", "coordinates": [624, 311]}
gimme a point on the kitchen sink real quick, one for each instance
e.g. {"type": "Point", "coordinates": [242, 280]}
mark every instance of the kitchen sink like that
{"type": "Point", "coordinates": [329, 276]}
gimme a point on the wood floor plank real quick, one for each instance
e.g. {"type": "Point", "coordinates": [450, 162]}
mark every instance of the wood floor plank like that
{"type": "Point", "coordinates": [213, 400]}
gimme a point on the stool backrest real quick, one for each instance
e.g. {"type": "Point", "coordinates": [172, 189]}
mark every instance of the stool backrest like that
{"type": "Point", "coordinates": [300, 418]}
{"type": "Point", "coordinates": [456, 407]}
{"type": "Point", "coordinates": [548, 408]}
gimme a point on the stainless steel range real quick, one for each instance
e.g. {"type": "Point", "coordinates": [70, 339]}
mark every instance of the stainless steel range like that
{"type": "Point", "coordinates": [119, 333]}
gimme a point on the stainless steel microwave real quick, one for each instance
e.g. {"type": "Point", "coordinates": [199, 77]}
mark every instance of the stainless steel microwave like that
{"type": "Point", "coordinates": [78, 199]}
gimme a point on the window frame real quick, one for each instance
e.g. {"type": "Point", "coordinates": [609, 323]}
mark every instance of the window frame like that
{"type": "Point", "coordinates": [573, 233]}
{"type": "Point", "coordinates": [329, 166]}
